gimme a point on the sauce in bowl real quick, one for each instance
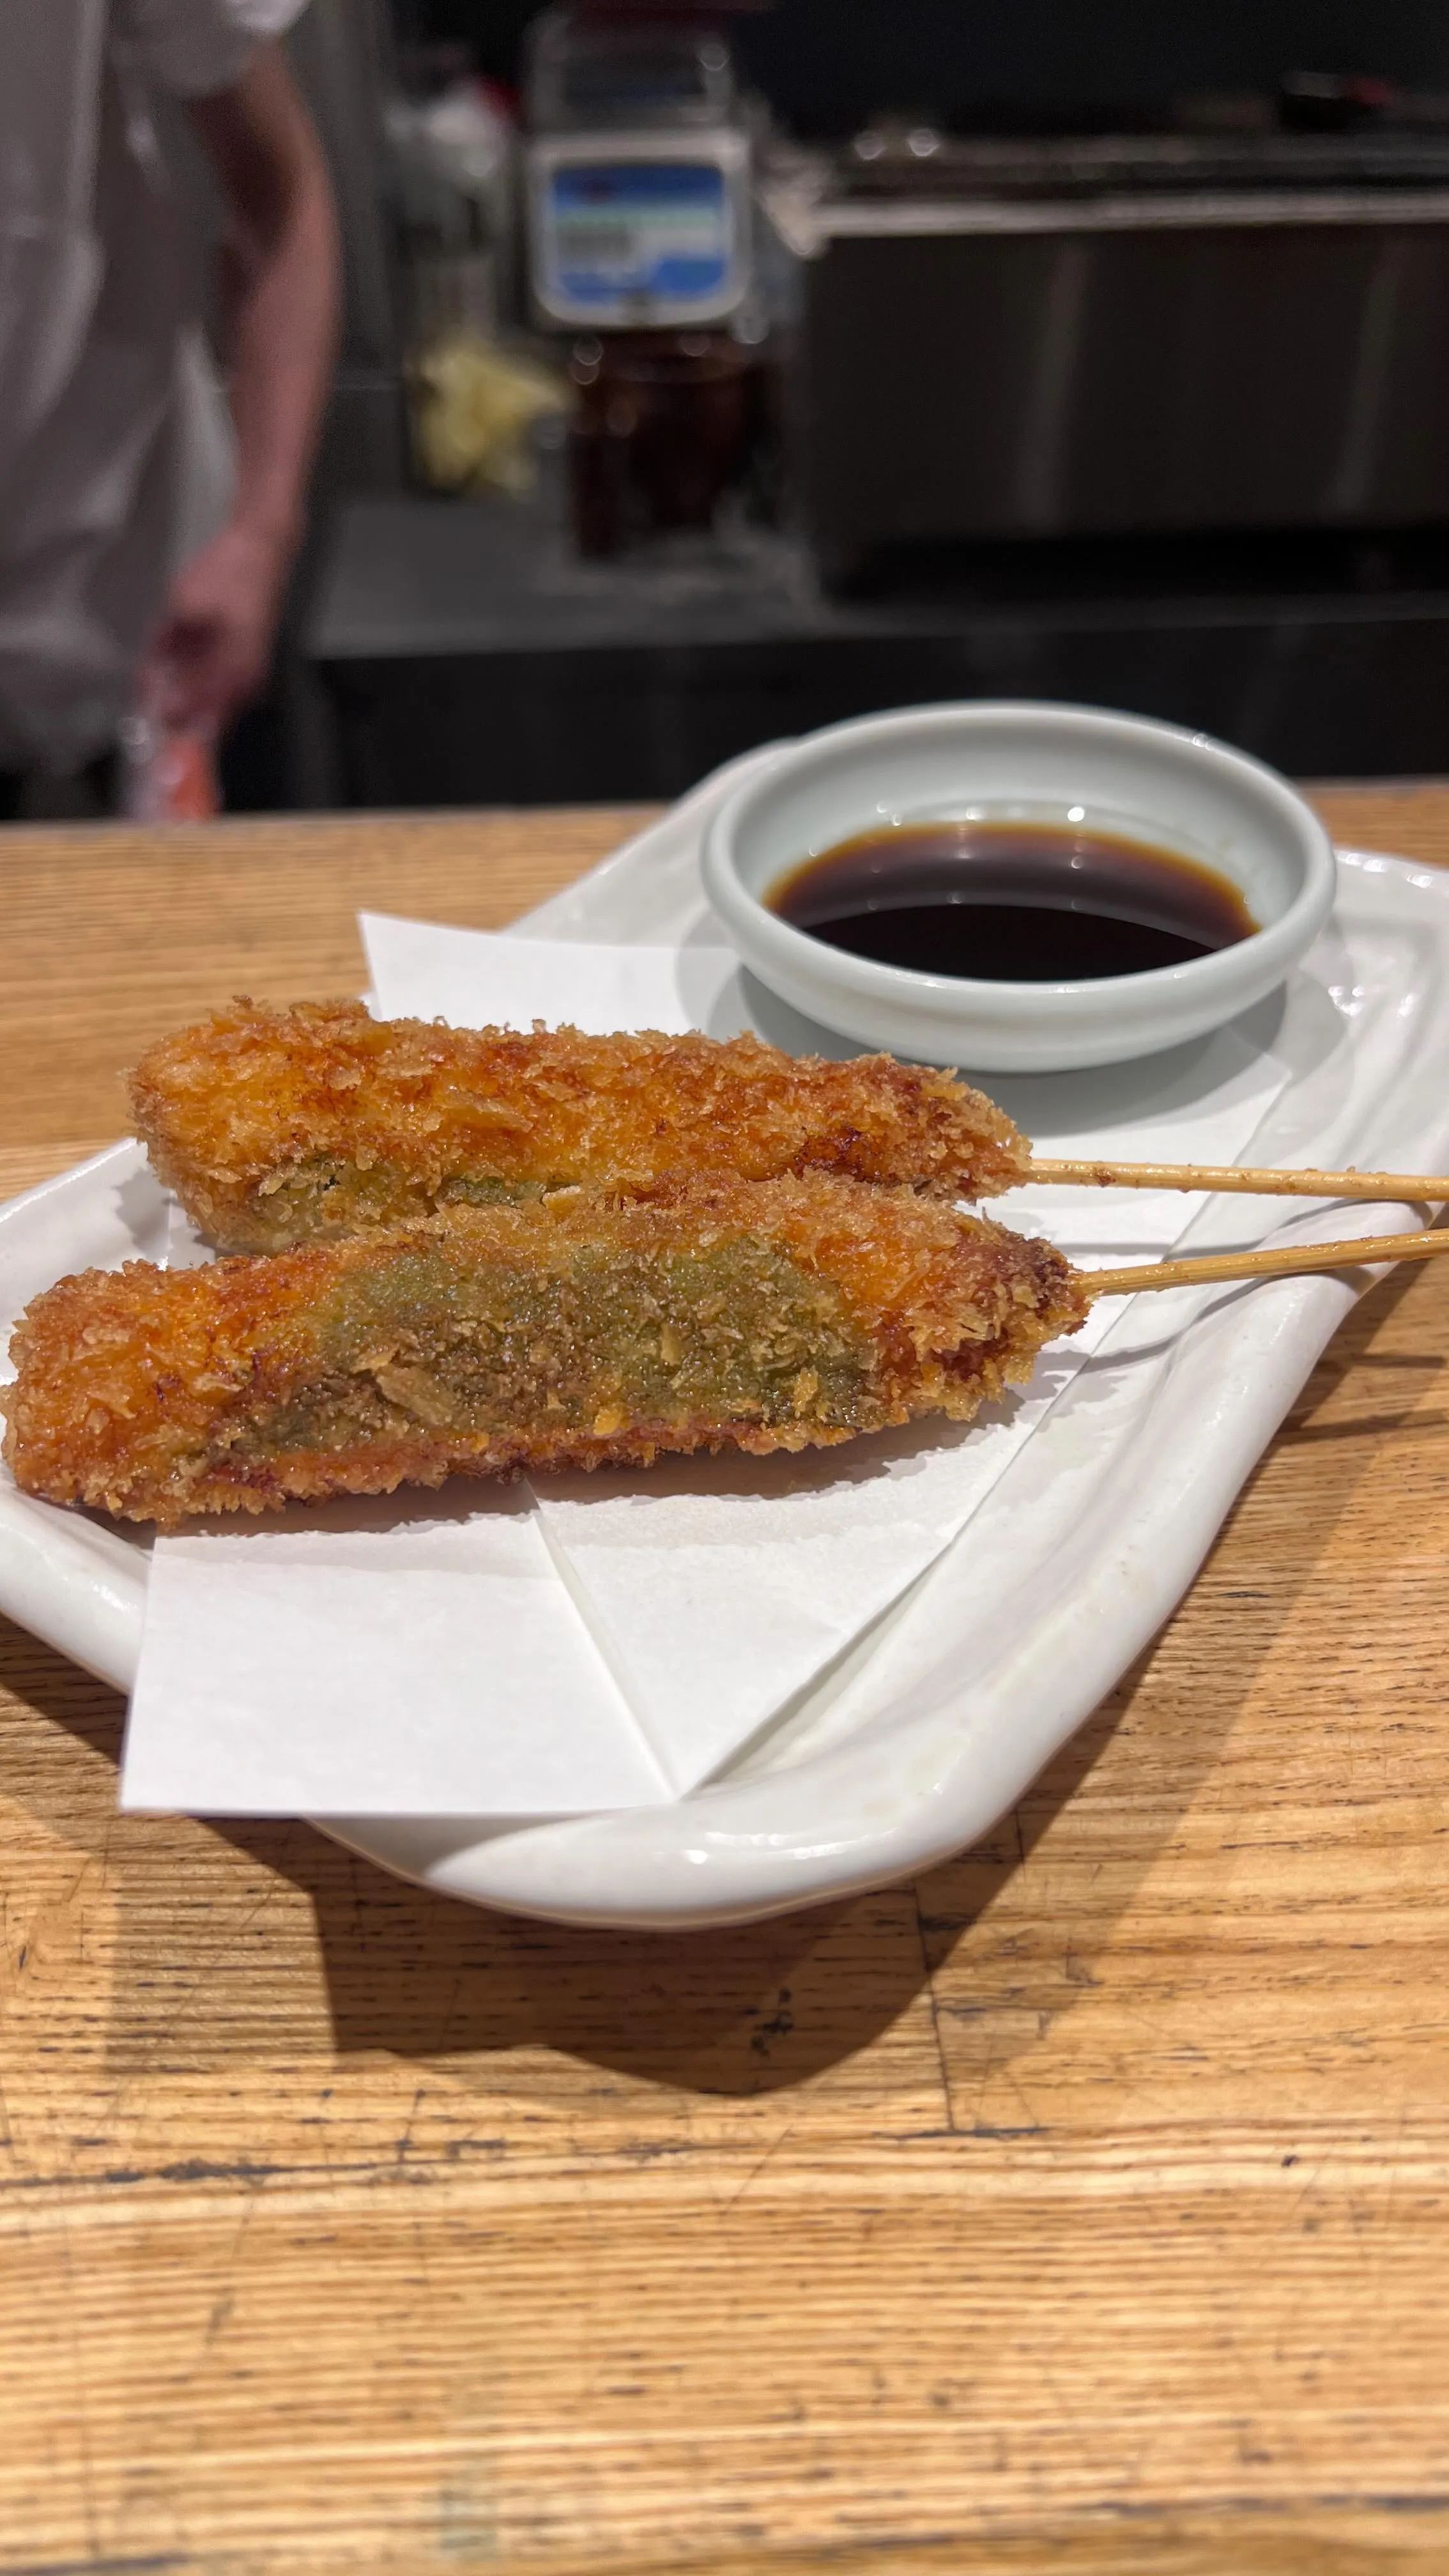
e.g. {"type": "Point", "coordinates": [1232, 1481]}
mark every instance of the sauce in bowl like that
{"type": "Point", "coordinates": [1018, 903]}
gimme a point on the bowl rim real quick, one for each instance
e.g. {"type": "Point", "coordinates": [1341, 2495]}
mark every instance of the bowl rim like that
{"type": "Point", "coordinates": [1197, 978]}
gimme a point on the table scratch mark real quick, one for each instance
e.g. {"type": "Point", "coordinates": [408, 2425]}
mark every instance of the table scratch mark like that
{"type": "Point", "coordinates": [408, 2126]}
{"type": "Point", "coordinates": [225, 2300]}
{"type": "Point", "coordinates": [753, 2176]}
{"type": "Point", "coordinates": [933, 2007]}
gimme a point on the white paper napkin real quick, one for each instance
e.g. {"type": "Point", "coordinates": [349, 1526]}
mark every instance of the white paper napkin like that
{"type": "Point", "coordinates": [687, 1607]}
{"type": "Point", "coordinates": [476, 979]}
{"type": "Point", "coordinates": [407, 1658]}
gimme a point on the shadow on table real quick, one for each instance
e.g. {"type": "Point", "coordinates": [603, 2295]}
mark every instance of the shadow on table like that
{"type": "Point", "coordinates": [755, 2008]}
{"type": "Point", "coordinates": [746, 2009]}
{"type": "Point", "coordinates": [743, 2011]}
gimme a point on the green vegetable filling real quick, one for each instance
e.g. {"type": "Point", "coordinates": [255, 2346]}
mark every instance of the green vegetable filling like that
{"type": "Point", "coordinates": [593, 1344]}
{"type": "Point", "coordinates": [325, 1197]}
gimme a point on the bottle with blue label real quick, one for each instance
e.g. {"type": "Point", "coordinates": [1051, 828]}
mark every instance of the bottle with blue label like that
{"type": "Point", "coordinates": [638, 173]}
{"type": "Point", "coordinates": [638, 184]}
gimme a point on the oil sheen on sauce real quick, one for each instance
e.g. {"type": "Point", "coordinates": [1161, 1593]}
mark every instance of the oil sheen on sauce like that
{"type": "Point", "coordinates": [1018, 903]}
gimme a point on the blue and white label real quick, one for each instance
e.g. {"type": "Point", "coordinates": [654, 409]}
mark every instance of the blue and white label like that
{"type": "Point", "coordinates": [629, 239]}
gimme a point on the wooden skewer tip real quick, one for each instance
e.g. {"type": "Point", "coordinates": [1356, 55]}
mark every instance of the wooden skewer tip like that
{"type": "Point", "coordinates": [1409, 1189]}
{"type": "Point", "coordinates": [1286, 1261]}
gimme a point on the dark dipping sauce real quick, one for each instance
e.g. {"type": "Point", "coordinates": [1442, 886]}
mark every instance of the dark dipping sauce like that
{"type": "Point", "coordinates": [1012, 903]}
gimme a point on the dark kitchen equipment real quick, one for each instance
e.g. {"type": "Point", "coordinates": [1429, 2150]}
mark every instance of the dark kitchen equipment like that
{"type": "Point", "coordinates": [1114, 335]}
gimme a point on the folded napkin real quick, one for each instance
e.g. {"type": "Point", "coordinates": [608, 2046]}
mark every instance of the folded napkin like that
{"type": "Point", "coordinates": [419, 1654]}
{"type": "Point", "coordinates": [486, 979]}
{"type": "Point", "coordinates": [607, 1639]}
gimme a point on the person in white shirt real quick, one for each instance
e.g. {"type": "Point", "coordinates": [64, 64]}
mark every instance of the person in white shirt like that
{"type": "Point", "coordinates": [146, 525]}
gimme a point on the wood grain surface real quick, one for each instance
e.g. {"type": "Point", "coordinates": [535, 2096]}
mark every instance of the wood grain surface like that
{"type": "Point", "coordinates": [1084, 2207]}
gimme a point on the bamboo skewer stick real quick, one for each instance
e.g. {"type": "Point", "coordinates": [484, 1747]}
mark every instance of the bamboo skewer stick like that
{"type": "Point", "coordinates": [1203, 1270]}
{"type": "Point", "coordinates": [1412, 1189]}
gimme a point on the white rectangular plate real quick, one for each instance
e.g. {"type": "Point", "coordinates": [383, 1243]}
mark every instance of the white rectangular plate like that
{"type": "Point", "coordinates": [939, 1717]}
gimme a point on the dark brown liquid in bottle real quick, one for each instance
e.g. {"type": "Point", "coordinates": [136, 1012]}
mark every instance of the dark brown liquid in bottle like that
{"type": "Point", "coordinates": [1016, 903]}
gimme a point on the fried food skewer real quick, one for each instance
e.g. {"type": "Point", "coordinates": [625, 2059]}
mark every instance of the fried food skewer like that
{"type": "Point", "coordinates": [570, 1331]}
{"type": "Point", "coordinates": [283, 1127]}
{"type": "Point", "coordinates": [279, 1127]}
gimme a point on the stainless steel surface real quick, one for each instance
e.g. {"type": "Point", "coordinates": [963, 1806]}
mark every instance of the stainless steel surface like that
{"type": "Point", "coordinates": [990, 367]}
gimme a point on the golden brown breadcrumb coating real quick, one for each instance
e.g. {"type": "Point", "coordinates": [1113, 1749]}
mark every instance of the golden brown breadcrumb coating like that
{"type": "Point", "coordinates": [277, 1127]}
{"type": "Point", "coordinates": [563, 1332]}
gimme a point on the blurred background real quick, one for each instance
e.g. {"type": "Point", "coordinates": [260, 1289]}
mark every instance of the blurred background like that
{"type": "Point", "coordinates": [712, 374]}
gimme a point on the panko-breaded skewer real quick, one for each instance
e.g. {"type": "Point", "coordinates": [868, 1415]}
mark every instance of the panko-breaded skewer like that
{"type": "Point", "coordinates": [283, 1127]}
{"type": "Point", "coordinates": [277, 1127]}
{"type": "Point", "coordinates": [569, 1331]}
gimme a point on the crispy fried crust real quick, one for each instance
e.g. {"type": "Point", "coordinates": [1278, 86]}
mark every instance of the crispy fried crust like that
{"type": "Point", "coordinates": [570, 1331]}
{"type": "Point", "coordinates": [282, 1127]}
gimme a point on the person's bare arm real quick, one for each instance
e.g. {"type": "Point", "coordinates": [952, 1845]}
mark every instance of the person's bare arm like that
{"type": "Point", "coordinates": [212, 648]}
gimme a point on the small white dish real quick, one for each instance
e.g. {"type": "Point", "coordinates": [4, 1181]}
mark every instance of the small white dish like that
{"type": "Point", "coordinates": [1079, 767]}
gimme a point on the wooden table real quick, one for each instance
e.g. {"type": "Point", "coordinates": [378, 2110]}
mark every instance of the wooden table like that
{"type": "Point", "coordinates": [1084, 2207]}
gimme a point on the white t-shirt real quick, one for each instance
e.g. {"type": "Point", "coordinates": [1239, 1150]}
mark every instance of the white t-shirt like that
{"type": "Point", "coordinates": [114, 448]}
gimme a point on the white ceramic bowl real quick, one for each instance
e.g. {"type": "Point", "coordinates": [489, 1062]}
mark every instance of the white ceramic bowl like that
{"type": "Point", "coordinates": [1001, 761]}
